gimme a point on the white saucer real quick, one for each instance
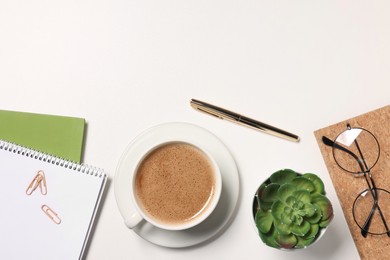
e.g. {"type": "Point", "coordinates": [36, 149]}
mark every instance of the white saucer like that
{"type": "Point", "coordinates": [230, 184]}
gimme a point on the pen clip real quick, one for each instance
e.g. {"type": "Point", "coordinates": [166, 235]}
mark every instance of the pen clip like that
{"type": "Point", "coordinates": [205, 108]}
{"type": "Point", "coordinates": [209, 112]}
{"type": "Point", "coordinates": [51, 214]}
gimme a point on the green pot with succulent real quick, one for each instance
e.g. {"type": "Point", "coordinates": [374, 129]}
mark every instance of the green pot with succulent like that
{"type": "Point", "coordinates": [291, 210]}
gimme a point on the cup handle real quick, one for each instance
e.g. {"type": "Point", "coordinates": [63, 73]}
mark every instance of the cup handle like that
{"type": "Point", "coordinates": [134, 220]}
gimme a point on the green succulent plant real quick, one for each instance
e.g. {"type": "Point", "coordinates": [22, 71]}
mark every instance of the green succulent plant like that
{"type": "Point", "coordinates": [292, 209]}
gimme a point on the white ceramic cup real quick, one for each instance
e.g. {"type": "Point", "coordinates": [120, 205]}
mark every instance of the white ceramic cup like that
{"type": "Point", "coordinates": [140, 214]}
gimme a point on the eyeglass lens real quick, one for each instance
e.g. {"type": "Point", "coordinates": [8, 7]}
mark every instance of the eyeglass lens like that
{"type": "Point", "coordinates": [357, 150]}
{"type": "Point", "coordinates": [363, 206]}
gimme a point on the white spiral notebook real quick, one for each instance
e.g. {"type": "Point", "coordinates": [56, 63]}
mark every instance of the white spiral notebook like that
{"type": "Point", "coordinates": [48, 205]}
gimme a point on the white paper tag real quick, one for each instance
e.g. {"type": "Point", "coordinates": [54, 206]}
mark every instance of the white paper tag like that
{"type": "Point", "coordinates": [348, 136]}
{"type": "Point", "coordinates": [364, 194]}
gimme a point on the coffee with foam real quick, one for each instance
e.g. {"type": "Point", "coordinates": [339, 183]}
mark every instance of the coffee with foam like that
{"type": "Point", "coordinates": [175, 183]}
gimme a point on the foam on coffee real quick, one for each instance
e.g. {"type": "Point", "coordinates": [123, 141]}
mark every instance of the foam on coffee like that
{"type": "Point", "coordinates": [174, 183]}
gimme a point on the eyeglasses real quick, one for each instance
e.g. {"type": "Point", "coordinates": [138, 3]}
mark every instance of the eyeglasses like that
{"type": "Point", "coordinates": [356, 150]}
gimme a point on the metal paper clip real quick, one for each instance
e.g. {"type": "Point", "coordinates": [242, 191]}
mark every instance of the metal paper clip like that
{"type": "Point", "coordinates": [51, 214]}
{"type": "Point", "coordinates": [38, 180]}
{"type": "Point", "coordinates": [42, 183]}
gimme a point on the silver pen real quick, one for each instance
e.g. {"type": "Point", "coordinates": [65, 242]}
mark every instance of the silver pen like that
{"type": "Point", "coordinates": [242, 120]}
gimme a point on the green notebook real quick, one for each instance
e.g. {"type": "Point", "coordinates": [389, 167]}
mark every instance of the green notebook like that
{"type": "Point", "coordinates": [61, 136]}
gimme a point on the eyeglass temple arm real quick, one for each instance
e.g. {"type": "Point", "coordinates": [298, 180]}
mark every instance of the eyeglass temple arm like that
{"type": "Point", "coordinates": [366, 225]}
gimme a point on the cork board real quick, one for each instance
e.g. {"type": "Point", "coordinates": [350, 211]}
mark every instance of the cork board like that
{"type": "Point", "coordinates": [348, 187]}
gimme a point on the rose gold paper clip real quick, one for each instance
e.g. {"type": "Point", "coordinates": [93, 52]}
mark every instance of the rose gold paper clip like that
{"type": "Point", "coordinates": [38, 180]}
{"type": "Point", "coordinates": [42, 184]}
{"type": "Point", "coordinates": [51, 214]}
{"type": "Point", "coordinates": [33, 184]}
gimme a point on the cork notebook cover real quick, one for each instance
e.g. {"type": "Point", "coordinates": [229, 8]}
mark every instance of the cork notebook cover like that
{"type": "Point", "coordinates": [348, 187]}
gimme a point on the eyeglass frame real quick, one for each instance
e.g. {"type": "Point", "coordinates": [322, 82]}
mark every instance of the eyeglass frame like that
{"type": "Point", "coordinates": [370, 181]}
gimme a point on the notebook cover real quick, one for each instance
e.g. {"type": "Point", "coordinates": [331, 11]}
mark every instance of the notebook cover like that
{"type": "Point", "coordinates": [348, 187]}
{"type": "Point", "coordinates": [61, 136]}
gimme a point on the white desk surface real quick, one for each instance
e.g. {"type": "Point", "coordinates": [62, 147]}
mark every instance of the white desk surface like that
{"type": "Point", "coordinates": [127, 65]}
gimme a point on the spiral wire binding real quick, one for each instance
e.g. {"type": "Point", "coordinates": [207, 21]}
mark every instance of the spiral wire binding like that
{"type": "Point", "coordinates": [24, 151]}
